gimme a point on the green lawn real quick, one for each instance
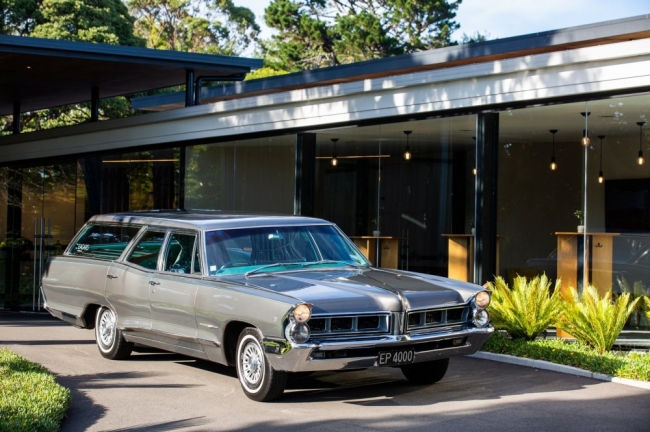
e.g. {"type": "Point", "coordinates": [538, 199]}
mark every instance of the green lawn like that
{"type": "Point", "coordinates": [30, 398]}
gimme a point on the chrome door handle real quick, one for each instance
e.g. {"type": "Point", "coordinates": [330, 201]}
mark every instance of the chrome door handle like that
{"type": "Point", "coordinates": [110, 276]}
{"type": "Point", "coordinates": [153, 283]}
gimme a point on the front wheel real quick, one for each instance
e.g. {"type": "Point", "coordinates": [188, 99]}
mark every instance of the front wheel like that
{"type": "Point", "coordinates": [426, 372]}
{"type": "Point", "coordinates": [109, 338]}
{"type": "Point", "coordinates": [258, 379]}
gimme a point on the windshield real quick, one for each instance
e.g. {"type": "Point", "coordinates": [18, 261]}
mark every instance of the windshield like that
{"type": "Point", "coordinates": [267, 249]}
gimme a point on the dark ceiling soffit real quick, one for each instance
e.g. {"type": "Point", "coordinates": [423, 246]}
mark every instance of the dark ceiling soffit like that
{"type": "Point", "coordinates": [536, 43]}
{"type": "Point", "coordinates": [117, 53]}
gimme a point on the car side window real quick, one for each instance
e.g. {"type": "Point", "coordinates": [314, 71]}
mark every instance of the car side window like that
{"type": "Point", "coordinates": [103, 241]}
{"type": "Point", "coordinates": [180, 252]}
{"type": "Point", "coordinates": [146, 251]}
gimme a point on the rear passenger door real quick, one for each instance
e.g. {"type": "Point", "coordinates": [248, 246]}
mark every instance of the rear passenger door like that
{"type": "Point", "coordinates": [173, 292]}
{"type": "Point", "coordinates": [129, 282]}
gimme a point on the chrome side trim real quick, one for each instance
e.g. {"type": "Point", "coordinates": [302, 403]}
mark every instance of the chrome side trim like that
{"type": "Point", "coordinates": [141, 339]}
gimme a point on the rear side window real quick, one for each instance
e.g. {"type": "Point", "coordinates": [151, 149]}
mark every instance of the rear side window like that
{"type": "Point", "coordinates": [103, 241]}
{"type": "Point", "coordinates": [146, 251]}
{"type": "Point", "coordinates": [181, 250]}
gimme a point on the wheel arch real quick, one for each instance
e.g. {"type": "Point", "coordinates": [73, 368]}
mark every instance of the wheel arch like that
{"type": "Point", "coordinates": [89, 314]}
{"type": "Point", "coordinates": [230, 337]}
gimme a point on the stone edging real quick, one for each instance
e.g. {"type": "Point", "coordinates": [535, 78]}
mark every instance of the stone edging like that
{"type": "Point", "coordinates": [542, 364]}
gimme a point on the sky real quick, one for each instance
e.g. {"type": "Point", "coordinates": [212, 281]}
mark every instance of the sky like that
{"type": "Point", "coordinates": [505, 18]}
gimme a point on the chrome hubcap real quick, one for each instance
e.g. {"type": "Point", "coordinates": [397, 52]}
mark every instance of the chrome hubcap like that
{"type": "Point", "coordinates": [252, 363]}
{"type": "Point", "coordinates": [107, 328]}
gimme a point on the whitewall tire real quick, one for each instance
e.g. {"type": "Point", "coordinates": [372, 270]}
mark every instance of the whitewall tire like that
{"type": "Point", "coordinates": [109, 338]}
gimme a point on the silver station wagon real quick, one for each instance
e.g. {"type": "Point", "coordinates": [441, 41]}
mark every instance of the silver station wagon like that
{"type": "Point", "coordinates": [270, 295]}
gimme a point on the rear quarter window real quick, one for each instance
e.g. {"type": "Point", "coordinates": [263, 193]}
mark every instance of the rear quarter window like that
{"type": "Point", "coordinates": [103, 241]}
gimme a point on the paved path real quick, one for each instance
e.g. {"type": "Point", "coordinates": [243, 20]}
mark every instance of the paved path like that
{"type": "Point", "coordinates": [155, 391]}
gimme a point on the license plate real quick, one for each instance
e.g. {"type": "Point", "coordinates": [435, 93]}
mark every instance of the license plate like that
{"type": "Point", "coordinates": [396, 357]}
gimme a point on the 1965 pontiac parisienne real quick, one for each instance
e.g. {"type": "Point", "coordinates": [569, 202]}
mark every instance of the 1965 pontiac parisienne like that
{"type": "Point", "coordinates": [270, 295]}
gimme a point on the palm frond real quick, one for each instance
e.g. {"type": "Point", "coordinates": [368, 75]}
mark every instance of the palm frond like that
{"type": "Point", "coordinates": [593, 320]}
{"type": "Point", "coordinates": [527, 309]}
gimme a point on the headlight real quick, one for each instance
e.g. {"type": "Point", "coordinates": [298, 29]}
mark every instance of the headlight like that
{"type": "Point", "coordinates": [482, 299]}
{"type": "Point", "coordinates": [298, 332]}
{"type": "Point", "coordinates": [302, 313]}
{"type": "Point", "coordinates": [481, 318]}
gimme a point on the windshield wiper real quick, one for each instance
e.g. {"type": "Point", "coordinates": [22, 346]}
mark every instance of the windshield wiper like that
{"type": "Point", "coordinates": [345, 263]}
{"type": "Point", "coordinates": [264, 267]}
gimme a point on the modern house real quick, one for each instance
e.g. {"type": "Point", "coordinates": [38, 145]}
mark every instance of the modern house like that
{"type": "Point", "coordinates": [469, 161]}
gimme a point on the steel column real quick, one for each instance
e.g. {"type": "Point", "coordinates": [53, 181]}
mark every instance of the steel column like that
{"type": "Point", "coordinates": [487, 148]}
{"type": "Point", "coordinates": [305, 173]}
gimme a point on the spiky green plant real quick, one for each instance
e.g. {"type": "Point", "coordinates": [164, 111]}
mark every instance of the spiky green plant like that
{"type": "Point", "coordinates": [593, 320]}
{"type": "Point", "coordinates": [637, 290]}
{"type": "Point", "coordinates": [527, 309]}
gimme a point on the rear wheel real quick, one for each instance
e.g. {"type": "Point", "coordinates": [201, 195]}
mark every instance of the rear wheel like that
{"type": "Point", "coordinates": [109, 338]}
{"type": "Point", "coordinates": [258, 379]}
{"type": "Point", "coordinates": [426, 372]}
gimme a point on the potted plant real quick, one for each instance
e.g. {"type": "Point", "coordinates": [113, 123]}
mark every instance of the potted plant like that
{"type": "Point", "coordinates": [578, 214]}
{"type": "Point", "coordinates": [375, 232]}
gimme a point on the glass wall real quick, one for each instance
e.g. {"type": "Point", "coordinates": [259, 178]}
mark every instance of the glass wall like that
{"type": "Point", "coordinates": [251, 175]}
{"type": "Point", "coordinates": [36, 206]}
{"type": "Point", "coordinates": [588, 220]}
{"type": "Point", "coordinates": [410, 185]}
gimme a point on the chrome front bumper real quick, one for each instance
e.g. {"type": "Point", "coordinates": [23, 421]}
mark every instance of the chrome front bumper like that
{"type": "Point", "coordinates": [363, 353]}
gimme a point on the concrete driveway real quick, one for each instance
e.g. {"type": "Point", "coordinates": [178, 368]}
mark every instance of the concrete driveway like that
{"type": "Point", "coordinates": [156, 391]}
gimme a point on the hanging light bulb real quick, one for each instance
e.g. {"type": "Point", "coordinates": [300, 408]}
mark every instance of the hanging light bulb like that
{"type": "Point", "coordinates": [334, 161]}
{"type": "Point", "coordinates": [585, 141]}
{"type": "Point", "coordinates": [553, 164]}
{"type": "Point", "coordinates": [601, 177]}
{"type": "Point", "coordinates": [640, 159]}
{"type": "Point", "coordinates": [407, 151]}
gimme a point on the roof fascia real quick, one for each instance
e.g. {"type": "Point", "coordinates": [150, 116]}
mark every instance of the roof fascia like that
{"type": "Point", "coordinates": [118, 53]}
{"type": "Point", "coordinates": [637, 27]}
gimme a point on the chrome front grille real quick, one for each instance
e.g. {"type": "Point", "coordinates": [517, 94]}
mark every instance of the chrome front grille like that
{"type": "Point", "coordinates": [440, 317]}
{"type": "Point", "coordinates": [337, 325]}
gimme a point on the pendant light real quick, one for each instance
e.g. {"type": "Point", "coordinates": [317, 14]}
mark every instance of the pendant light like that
{"type": "Point", "coordinates": [641, 124]}
{"type": "Point", "coordinates": [585, 134]}
{"type": "Point", "coordinates": [601, 178]}
{"type": "Point", "coordinates": [407, 151]}
{"type": "Point", "coordinates": [553, 164]}
{"type": "Point", "coordinates": [334, 161]}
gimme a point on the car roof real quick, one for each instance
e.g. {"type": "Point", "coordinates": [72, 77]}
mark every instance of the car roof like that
{"type": "Point", "coordinates": [205, 220]}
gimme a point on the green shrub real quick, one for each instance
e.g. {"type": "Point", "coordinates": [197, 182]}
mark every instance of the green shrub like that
{"type": "Point", "coordinates": [595, 321]}
{"type": "Point", "coordinates": [30, 398]}
{"type": "Point", "coordinates": [527, 309]}
{"type": "Point", "coordinates": [641, 314]}
{"type": "Point", "coordinates": [632, 365]}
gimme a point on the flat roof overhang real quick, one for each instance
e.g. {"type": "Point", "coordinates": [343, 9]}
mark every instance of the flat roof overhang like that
{"type": "Point", "coordinates": [43, 73]}
{"type": "Point", "coordinates": [500, 49]}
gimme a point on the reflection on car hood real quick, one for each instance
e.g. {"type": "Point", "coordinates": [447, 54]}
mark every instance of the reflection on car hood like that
{"type": "Point", "coordinates": [366, 289]}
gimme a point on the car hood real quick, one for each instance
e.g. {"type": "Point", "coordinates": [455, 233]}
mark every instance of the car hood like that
{"type": "Point", "coordinates": [366, 289]}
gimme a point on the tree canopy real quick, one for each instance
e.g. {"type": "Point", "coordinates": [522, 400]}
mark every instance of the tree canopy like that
{"type": "Point", "coordinates": [317, 33]}
{"type": "Point", "coordinates": [216, 26]}
{"type": "Point", "coordinates": [100, 21]}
